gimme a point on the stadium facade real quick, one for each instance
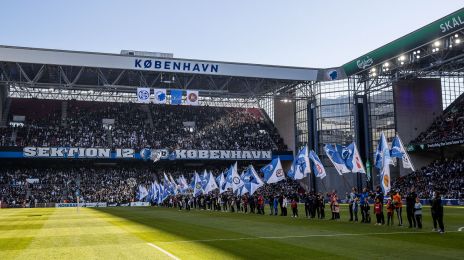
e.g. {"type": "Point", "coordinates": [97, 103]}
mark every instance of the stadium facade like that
{"type": "Point", "coordinates": [354, 102]}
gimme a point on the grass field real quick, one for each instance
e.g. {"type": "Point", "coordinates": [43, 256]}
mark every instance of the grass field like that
{"type": "Point", "coordinates": [158, 233]}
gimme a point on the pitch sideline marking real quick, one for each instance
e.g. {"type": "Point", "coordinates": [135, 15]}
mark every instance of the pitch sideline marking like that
{"type": "Point", "coordinates": [460, 229]}
{"type": "Point", "coordinates": [302, 236]}
{"type": "Point", "coordinates": [164, 251]}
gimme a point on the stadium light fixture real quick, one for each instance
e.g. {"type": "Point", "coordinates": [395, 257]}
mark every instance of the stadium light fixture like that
{"type": "Point", "coordinates": [437, 43]}
{"type": "Point", "coordinates": [457, 41]}
{"type": "Point", "coordinates": [456, 35]}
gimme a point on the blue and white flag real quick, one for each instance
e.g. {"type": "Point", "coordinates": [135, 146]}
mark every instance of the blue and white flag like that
{"type": "Point", "coordinates": [198, 188]}
{"type": "Point", "coordinates": [192, 181]}
{"type": "Point", "coordinates": [353, 159]}
{"type": "Point", "coordinates": [382, 154]}
{"type": "Point", "coordinates": [160, 96]}
{"type": "Point", "coordinates": [143, 95]}
{"type": "Point", "coordinates": [243, 190]}
{"type": "Point", "coordinates": [222, 183]}
{"type": "Point", "coordinates": [273, 172]}
{"type": "Point", "coordinates": [219, 179]}
{"type": "Point", "coordinates": [398, 151]}
{"type": "Point", "coordinates": [385, 179]}
{"type": "Point", "coordinates": [174, 186]}
{"type": "Point", "coordinates": [204, 179]}
{"type": "Point", "coordinates": [252, 180]}
{"type": "Point", "coordinates": [318, 168]}
{"type": "Point", "coordinates": [176, 97]}
{"type": "Point", "coordinates": [161, 193]}
{"type": "Point", "coordinates": [182, 184]}
{"type": "Point", "coordinates": [336, 159]}
{"type": "Point", "coordinates": [211, 184]}
{"type": "Point", "coordinates": [300, 166]}
{"type": "Point", "coordinates": [237, 182]}
{"type": "Point", "coordinates": [142, 193]}
{"type": "Point", "coordinates": [150, 193]}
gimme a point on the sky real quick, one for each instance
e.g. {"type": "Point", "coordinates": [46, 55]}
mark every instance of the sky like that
{"type": "Point", "coordinates": [311, 33]}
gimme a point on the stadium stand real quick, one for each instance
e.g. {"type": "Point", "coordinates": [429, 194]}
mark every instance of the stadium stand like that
{"type": "Point", "coordinates": [446, 176]}
{"type": "Point", "coordinates": [447, 127]}
{"type": "Point", "coordinates": [79, 123]}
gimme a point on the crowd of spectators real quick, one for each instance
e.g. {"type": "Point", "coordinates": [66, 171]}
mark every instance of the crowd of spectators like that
{"type": "Point", "coordinates": [448, 127]}
{"type": "Point", "coordinates": [138, 126]}
{"type": "Point", "coordinates": [446, 177]}
{"type": "Point", "coordinates": [97, 184]}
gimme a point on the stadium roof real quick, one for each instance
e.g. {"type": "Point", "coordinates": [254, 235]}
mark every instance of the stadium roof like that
{"type": "Point", "coordinates": [404, 49]}
{"type": "Point", "coordinates": [48, 68]}
{"type": "Point", "coordinates": [433, 48]}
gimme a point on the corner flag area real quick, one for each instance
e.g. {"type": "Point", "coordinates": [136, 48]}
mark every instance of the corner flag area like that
{"type": "Point", "coordinates": [161, 233]}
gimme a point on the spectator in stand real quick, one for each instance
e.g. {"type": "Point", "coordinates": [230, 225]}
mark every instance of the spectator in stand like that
{"type": "Point", "coordinates": [448, 127]}
{"type": "Point", "coordinates": [138, 126]}
{"type": "Point", "coordinates": [445, 176]}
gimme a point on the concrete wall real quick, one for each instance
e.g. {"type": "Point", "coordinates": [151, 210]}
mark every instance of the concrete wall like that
{"type": "Point", "coordinates": [418, 103]}
{"type": "Point", "coordinates": [284, 121]}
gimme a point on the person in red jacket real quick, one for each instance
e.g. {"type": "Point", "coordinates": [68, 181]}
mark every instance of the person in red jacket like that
{"type": "Point", "coordinates": [378, 211]}
{"type": "Point", "coordinates": [294, 206]}
{"type": "Point", "coordinates": [260, 204]}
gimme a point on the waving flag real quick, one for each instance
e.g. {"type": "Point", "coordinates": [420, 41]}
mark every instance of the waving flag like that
{"type": "Point", "coordinates": [173, 184]}
{"type": "Point", "coordinates": [150, 192]}
{"type": "Point", "coordinates": [211, 184]}
{"type": "Point", "coordinates": [398, 151]}
{"type": "Point", "coordinates": [204, 180]}
{"type": "Point", "coordinates": [229, 177]}
{"type": "Point", "coordinates": [336, 159]}
{"type": "Point", "coordinates": [318, 168]}
{"type": "Point", "coordinates": [385, 180]}
{"type": "Point", "coordinates": [142, 193]}
{"type": "Point", "coordinates": [353, 159]}
{"type": "Point", "coordinates": [243, 190]}
{"type": "Point", "coordinates": [160, 193]}
{"type": "Point", "coordinates": [273, 172]}
{"type": "Point", "coordinates": [222, 183]}
{"type": "Point", "coordinates": [382, 162]}
{"type": "Point", "coordinates": [219, 179]}
{"type": "Point", "coordinates": [183, 185]}
{"type": "Point", "coordinates": [300, 166]}
{"type": "Point", "coordinates": [382, 154]}
{"type": "Point", "coordinates": [198, 188]}
{"type": "Point", "coordinates": [156, 193]}
{"type": "Point", "coordinates": [237, 182]}
{"type": "Point", "coordinates": [252, 180]}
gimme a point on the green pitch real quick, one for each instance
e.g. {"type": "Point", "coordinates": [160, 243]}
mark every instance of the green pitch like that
{"type": "Point", "coordinates": [157, 233]}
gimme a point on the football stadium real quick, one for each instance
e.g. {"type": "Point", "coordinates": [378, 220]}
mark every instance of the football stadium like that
{"type": "Point", "coordinates": [144, 155]}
